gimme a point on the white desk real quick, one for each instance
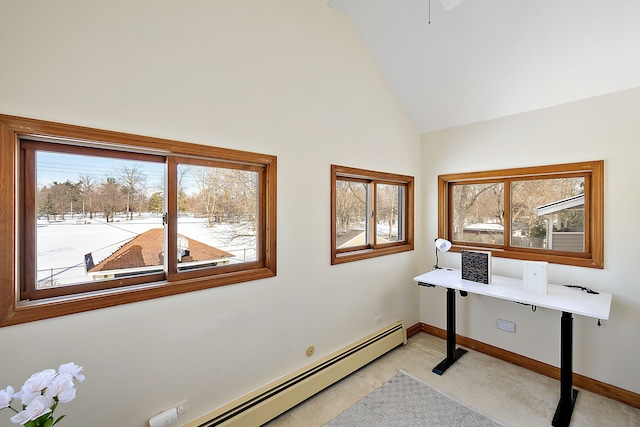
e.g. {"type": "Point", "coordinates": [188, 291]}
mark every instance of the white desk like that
{"type": "Point", "coordinates": [568, 300]}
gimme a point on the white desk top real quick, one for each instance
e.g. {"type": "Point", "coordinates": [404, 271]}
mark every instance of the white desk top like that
{"type": "Point", "coordinates": [557, 297]}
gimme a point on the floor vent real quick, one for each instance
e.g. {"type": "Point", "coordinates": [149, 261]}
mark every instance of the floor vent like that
{"type": "Point", "coordinates": [266, 403]}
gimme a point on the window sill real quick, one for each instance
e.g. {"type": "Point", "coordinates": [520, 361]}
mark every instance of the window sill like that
{"type": "Point", "coordinates": [29, 311]}
{"type": "Point", "coordinates": [345, 257]}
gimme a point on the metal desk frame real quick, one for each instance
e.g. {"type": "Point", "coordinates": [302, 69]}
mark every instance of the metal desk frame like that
{"type": "Point", "coordinates": [569, 301]}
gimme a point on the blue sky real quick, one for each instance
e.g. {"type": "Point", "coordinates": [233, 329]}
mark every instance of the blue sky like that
{"type": "Point", "coordinates": [60, 167]}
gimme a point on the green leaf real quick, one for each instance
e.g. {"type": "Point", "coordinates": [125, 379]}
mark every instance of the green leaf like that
{"type": "Point", "coordinates": [42, 421]}
{"type": "Point", "coordinates": [59, 418]}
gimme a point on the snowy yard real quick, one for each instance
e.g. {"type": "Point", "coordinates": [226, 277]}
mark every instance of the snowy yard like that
{"type": "Point", "coordinates": [62, 245]}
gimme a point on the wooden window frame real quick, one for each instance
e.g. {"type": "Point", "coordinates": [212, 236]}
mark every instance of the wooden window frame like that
{"type": "Point", "coordinates": [592, 257]}
{"type": "Point", "coordinates": [340, 256]}
{"type": "Point", "coordinates": [15, 309]}
{"type": "Point", "coordinates": [27, 221]}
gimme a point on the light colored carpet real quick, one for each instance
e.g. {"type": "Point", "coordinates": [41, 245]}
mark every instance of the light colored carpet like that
{"type": "Point", "coordinates": [405, 401]}
{"type": "Point", "coordinates": [508, 393]}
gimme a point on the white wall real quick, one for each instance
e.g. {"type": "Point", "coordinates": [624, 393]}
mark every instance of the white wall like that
{"type": "Point", "coordinates": [284, 77]}
{"type": "Point", "coordinates": [605, 127]}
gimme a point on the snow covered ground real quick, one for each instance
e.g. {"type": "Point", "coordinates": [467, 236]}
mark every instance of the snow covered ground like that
{"type": "Point", "coordinates": [62, 245]}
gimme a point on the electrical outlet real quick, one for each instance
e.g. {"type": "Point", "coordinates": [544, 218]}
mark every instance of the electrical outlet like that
{"type": "Point", "coordinates": [164, 419]}
{"type": "Point", "coordinates": [507, 326]}
{"type": "Point", "coordinates": [169, 416]}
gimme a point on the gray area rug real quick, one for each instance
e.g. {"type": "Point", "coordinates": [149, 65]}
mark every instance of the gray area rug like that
{"type": "Point", "coordinates": [405, 401]}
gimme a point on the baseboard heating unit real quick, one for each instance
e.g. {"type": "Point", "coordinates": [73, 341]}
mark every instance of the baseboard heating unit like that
{"type": "Point", "coordinates": [266, 403]}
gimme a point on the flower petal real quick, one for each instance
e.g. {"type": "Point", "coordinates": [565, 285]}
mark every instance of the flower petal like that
{"type": "Point", "coordinates": [62, 387]}
{"type": "Point", "coordinates": [6, 396]}
{"type": "Point", "coordinates": [73, 370]}
{"type": "Point", "coordinates": [39, 406]}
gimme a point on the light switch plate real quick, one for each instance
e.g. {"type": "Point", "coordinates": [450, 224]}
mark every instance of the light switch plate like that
{"type": "Point", "coordinates": [534, 276]}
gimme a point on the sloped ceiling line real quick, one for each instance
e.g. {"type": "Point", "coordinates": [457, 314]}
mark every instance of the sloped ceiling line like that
{"type": "Point", "coordinates": [486, 59]}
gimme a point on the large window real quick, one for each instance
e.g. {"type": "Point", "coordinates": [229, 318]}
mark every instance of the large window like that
{"type": "Point", "coordinates": [548, 213]}
{"type": "Point", "coordinates": [101, 218]}
{"type": "Point", "coordinates": [371, 214]}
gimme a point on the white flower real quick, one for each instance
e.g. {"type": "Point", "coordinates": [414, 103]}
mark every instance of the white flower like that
{"type": "Point", "coordinates": [6, 396]}
{"type": "Point", "coordinates": [34, 386]}
{"type": "Point", "coordinates": [73, 370]}
{"type": "Point", "coordinates": [62, 387]}
{"type": "Point", "coordinates": [39, 406]}
{"type": "Point", "coordinates": [41, 393]}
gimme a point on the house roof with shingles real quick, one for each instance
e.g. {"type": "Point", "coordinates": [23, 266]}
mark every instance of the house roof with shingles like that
{"type": "Point", "coordinates": [147, 250]}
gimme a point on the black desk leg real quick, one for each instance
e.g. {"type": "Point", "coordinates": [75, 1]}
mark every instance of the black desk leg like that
{"type": "Point", "coordinates": [453, 354]}
{"type": "Point", "coordinates": [568, 395]}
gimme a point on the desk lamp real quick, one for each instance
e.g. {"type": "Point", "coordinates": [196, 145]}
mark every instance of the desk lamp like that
{"type": "Point", "coordinates": [442, 245]}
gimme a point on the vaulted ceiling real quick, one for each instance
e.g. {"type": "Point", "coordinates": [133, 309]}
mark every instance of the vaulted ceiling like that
{"type": "Point", "coordinates": [484, 59]}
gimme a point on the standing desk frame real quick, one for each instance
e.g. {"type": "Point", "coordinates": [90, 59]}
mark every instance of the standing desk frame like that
{"type": "Point", "coordinates": [567, 300]}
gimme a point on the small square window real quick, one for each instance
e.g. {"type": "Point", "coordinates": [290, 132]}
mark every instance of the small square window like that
{"type": "Point", "coordinates": [372, 214]}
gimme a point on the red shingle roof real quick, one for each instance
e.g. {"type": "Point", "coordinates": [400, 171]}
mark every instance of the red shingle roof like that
{"type": "Point", "coordinates": [147, 250]}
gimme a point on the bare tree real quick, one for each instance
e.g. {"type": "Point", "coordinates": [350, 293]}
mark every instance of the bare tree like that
{"type": "Point", "coordinates": [477, 203]}
{"type": "Point", "coordinates": [351, 202]}
{"type": "Point", "coordinates": [87, 186]}
{"type": "Point", "coordinates": [530, 194]}
{"type": "Point", "coordinates": [238, 196]}
{"type": "Point", "coordinates": [110, 198]}
{"type": "Point", "coordinates": [207, 182]}
{"type": "Point", "coordinates": [483, 203]}
{"type": "Point", "coordinates": [58, 199]}
{"type": "Point", "coordinates": [387, 207]}
{"type": "Point", "coordinates": [141, 197]}
{"type": "Point", "coordinates": [131, 179]}
{"type": "Point", "coordinates": [182, 194]}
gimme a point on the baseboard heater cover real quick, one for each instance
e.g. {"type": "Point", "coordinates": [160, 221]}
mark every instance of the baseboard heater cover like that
{"type": "Point", "coordinates": [266, 403]}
